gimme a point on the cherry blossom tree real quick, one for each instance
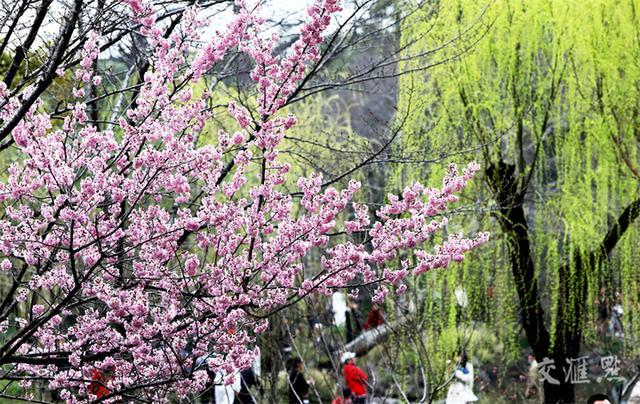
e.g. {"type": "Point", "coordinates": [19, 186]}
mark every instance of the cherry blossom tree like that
{"type": "Point", "coordinates": [139, 260]}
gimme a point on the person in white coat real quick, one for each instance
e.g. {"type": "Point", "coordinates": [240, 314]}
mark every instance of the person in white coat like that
{"type": "Point", "coordinates": [634, 397]}
{"type": "Point", "coordinates": [226, 393]}
{"type": "Point", "coordinates": [461, 389]}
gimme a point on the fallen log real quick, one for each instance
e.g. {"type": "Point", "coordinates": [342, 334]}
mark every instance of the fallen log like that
{"type": "Point", "coordinates": [368, 340]}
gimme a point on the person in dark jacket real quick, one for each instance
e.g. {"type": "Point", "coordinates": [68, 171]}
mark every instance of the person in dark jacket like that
{"type": "Point", "coordinates": [604, 310]}
{"type": "Point", "coordinates": [248, 379]}
{"type": "Point", "coordinates": [354, 378]}
{"type": "Point", "coordinates": [352, 324]}
{"type": "Point", "coordinates": [298, 386]}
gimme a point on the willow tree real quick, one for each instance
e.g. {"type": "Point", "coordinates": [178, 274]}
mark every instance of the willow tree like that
{"type": "Point", "coordinates": [547, 94]}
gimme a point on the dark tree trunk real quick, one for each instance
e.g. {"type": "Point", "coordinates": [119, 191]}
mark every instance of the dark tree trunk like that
{"type": "Point", "coordinates": [503, 182]}
{"type": "Point", "coordinates": [572, 296]}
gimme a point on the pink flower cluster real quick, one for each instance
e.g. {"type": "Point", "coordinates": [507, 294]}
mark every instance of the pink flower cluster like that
{"type": "Point", "coordinates": [277, 78]}
{"type": "Point", "coordinates": [141, 252]}
{"type": "Point", "coordinates": [89, 53]}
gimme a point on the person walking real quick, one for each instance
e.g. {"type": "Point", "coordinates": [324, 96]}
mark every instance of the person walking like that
{"type": "Point", "coordinates": [298, 385]}
{"type": "Point", "coordinates": [616, 317]}
{"type": "Point", "coordinates": [248, 379]}
{"type": "Point", "coordinates": [354, 378]}
{"type": "Point", "coordinates": [534, 388]}
{"type": "Point", "coordinates": [461, 390]}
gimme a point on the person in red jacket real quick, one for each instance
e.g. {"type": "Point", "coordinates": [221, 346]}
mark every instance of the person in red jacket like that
{"type": "Point", "coordinates": [354, 378]}
{"type": "Point", "coordinates": [374, 319]}
{"type": "Point", "coordinates": [100, 378]}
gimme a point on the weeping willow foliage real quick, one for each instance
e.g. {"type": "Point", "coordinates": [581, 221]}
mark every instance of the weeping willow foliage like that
{"type": "Point", "coordinates": [552, 87]}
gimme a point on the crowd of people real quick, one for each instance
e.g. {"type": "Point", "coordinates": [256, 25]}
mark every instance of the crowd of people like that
{"type": "Point", "coordinates": [352, 386]}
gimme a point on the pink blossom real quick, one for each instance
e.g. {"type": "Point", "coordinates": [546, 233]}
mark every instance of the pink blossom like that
{"type": "Point", "coordinates": [191, 265]}
{"type": "Point", "coordinates": [156, 251]}
{"type": "Point", "coordinates": [6, 265]}
{"type": "Point", "coordinates": [238, 138]}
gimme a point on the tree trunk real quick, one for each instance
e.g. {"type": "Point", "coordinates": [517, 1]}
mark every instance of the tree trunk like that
{"type": "Point", "coordinates": [572, 296]}
{"type": "Point", "coordinates": [504, 185]}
